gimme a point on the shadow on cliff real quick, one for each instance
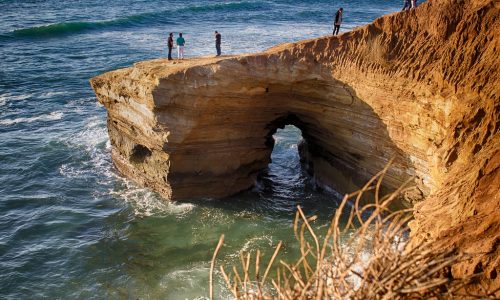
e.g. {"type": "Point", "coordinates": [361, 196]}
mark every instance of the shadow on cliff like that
{"type": "Point", "coordinates": [345, 143]}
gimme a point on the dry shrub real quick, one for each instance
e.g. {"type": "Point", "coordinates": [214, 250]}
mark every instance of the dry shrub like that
{"type": "Point", "coordinates": [367, 257]}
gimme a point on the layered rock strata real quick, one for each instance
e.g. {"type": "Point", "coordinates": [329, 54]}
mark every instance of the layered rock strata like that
{"type": "Point", "coordinates": [420, 87]}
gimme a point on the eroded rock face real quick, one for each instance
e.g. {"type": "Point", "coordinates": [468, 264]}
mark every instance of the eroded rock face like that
{"type": "Point", "coordinates": [419, 86]}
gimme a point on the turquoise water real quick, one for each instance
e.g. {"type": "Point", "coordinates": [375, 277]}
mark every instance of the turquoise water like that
{"type": "Point", "coordinates": [70, 225]}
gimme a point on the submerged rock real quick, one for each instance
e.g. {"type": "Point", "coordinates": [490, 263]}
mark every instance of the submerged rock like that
{"type": "Point", "coordinates": [419, 86]}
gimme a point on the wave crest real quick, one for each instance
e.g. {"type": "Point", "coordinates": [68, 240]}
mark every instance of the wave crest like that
{"type": "Point", "coordinates": [143, 19]}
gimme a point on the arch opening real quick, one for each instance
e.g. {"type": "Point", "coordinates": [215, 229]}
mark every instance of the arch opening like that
{"type": "Point", "coordinates": [284, 177]}
{"type": "Point", "coordinates": [318, 168]}
{"type": "Point", "coordinates": [285, 181]}
{"type": "Point", "coordinates": [289, 173]}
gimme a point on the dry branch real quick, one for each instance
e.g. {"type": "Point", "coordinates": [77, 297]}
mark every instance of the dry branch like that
{"type": "Point", "coordinates": [374, 262]}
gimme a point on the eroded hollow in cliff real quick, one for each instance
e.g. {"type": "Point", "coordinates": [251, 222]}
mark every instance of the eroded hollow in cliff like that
{"type": "Point", "coordinates": [139, 154]}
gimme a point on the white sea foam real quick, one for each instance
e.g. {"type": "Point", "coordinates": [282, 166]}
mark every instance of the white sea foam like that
{"type": "Point", "coordinates": [9, 97]}
{"type": "Point", "coordinates": [93, 134]}
{"type": "Point", "coordinates": [366, 254]}
{"type": "Point", "coordinates": [56, 115]}
{"type": "Point", "coordinates": [70, 172]}
{"type": "Point", "coordinates": [147, 203]}
{"type": "Point", "coordinates": [93, 139]}
{"type": "Point", "coordinates": [52, 94]}
{"type": "Point", "coordinates": [256, 242]}
{"type": "Point", "coordinates": [80, 105]}
{"type": "Point", "coordinates": [5, 98]}
{"type": "Point", "coordinates": [189, 282]}
{"type": "Point", "coordinates": [90, 139]}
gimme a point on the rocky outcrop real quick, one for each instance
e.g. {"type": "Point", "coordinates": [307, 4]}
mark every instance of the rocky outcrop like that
{"type": "Point", "coordinates": [419, 86]}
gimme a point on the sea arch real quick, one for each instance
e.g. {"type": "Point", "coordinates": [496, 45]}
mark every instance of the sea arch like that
{"type": "Point", "coordinates": [207, 125]}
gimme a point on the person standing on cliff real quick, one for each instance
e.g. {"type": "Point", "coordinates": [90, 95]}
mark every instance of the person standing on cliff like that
{"type": "Point", "coordinates": [170, 45]}
{"type": "Point", "coordinates": [407, 4]}
{"type": "Point", "coordinates": [338, 21]}
{"type": "Point", "coordinates": [180, 46]}
{"type": "Point", "coordinates": [218, 39]}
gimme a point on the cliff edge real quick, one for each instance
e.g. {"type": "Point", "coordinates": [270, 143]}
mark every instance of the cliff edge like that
{"type": "Point", "coordinates": [420, 86]}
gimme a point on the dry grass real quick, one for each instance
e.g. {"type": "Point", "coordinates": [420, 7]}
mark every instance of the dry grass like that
{"type": "Point", "coordinates": [367, 258]}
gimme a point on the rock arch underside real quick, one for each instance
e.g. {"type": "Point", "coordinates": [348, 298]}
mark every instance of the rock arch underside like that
{"type": "Point", "coordinates": [420, 86]}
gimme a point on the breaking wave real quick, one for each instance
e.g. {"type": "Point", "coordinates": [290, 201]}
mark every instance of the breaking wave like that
{"type": "Point", "coordinates": [161, 17]}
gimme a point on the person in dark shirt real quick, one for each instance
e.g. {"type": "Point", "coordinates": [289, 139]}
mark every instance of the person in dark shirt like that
{"type": "Point", "coordinates": [407, 4]}
{"type": "Point", "coordinates": [170, 45]}
{"type": "Point", "coordinates": [338, 21]}
{"type": "Point", "coordinates": [218, 38]}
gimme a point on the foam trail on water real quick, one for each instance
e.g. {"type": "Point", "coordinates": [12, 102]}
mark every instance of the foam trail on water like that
{"type": "Point", "coordinates": [5, 98]}
{"type": "Point", "coordinates": [52, 94]}
{"type": "Point", "coordinates": [56, 115]}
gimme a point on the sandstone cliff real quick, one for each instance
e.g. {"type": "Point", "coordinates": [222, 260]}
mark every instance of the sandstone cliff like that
{"type": "Point", "coordinates": [420, 86]}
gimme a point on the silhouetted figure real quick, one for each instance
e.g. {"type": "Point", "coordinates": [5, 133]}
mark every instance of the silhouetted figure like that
{"type": "Point", "coordinates": [413, 3]}
{"type": "Point", "coordinates": [218, 39]}
{"type": "Point", "coordinates": [407, 4]}
{"type": "Point", "coordinates": [170, 45]}
{"type": "Point", "coordinates": [338, 21]}
{"type": "Point", "coordinates": [180, 46]}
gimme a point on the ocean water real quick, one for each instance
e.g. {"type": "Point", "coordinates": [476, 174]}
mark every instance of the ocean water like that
{"type": "Point", "coordinates": [70, 225]}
